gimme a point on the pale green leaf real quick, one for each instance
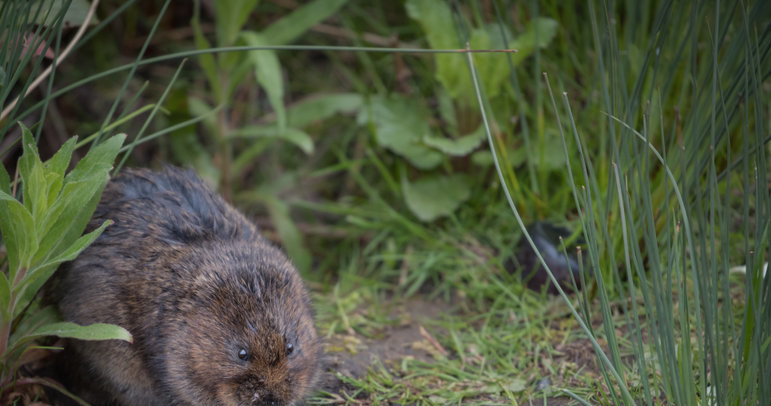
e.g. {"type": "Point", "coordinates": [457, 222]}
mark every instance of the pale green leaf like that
{"type": "Point", "coordinates": [435, 17]}
{"type": "Point", "coordinates": [288, 28]}
{"type": "Point", "coordinates": [268, 72]}
{"type": "Point", "coordinates": [200, 108]}
{"type": "Point", "coordinates": [98, 331]}
{"type": "Point", "coordinates": [317, 108]}
{"type": "Point", "coordinates": [231, 16]}
{"type": "Point", "coordinates": [457, 147]}
{"type": "Point", "coordinates": [18, 229]}
{"type": "Point", "coordinates": [538, 33]}
{"type": "Point", "coordinates": [28, 164]}
{"type": "Point", "coordinates": [298, 138]}
{"type": "Point", "coordinates": [401, 123]}
{"type": "Point", "coordinates": [514, 157]}
{"type": "Point", "coordinates": [61, 160]}
{"type": "Point", "coordinates": [290, 236]}
{"type": "Point", "coordinates": [63, 222]}
{"type": "Point", "coordinates": [436, 196]}
{"type": "Point", "coordinates": [37, 276]}
{"type": "Point", "coordinates": [99, 159]}
{"type": "Point", "coordinates": [292, 135]}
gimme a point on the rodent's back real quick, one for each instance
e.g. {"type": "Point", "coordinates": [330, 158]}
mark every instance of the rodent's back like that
{"type": "Point", "coordinates": [198, 287]}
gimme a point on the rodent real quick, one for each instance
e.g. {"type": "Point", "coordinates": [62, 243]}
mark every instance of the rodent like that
{"type": "Point", "coordinates": [218, 315]}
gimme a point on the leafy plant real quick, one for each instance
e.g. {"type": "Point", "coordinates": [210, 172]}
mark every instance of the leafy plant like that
{"type": "Point", "coordinates": [225, 74]}
{"type": "Point", "coordinates": [405, 126]}
{"type": "Point", "coordinates": [41, 231]}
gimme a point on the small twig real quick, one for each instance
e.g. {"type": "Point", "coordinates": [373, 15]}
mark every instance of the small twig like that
{"type": "Point", "coordinates": [62, 56]}
{"type": "Point", "coordinates": [434, 343]}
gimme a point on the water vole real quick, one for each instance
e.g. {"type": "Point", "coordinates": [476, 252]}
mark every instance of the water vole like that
{"type": "Point", "coordinates": [218, 315]}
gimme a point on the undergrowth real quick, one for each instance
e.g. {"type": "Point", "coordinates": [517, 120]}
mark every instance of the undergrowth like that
{"type": "Point", "coordinates": [399, 172]}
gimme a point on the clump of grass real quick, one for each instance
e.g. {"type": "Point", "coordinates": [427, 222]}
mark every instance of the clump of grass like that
{"type": "Point", "coordinates": [660, 236]}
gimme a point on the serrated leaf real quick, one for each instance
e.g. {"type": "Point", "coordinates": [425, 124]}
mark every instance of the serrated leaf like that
{"type": "Point", "coordinates": [400, 125]}
{"type": "Point", "coordinates": [97, 331]}
{"type": "Point", "coordinates": [457, 147]}
{"type": "Point", "coordinates": [288, 28]}
{"type": "Point", "coordinates": [268, 72]}
{"type": "Point", "coordinates": [436, 196]}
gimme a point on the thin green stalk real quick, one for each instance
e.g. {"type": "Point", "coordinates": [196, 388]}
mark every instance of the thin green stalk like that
{"type": "Point", "coordinates": [627, 396]}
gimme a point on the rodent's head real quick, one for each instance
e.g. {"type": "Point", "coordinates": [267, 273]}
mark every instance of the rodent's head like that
{"type": "Point", "coordinates": [247, 337]}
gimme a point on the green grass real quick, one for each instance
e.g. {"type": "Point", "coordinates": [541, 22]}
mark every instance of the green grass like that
{"type": "Point", "coordinates": [647, 135]}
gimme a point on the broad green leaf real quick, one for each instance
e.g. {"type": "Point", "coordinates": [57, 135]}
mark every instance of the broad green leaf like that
{"type": "Point", "coordinates": [32, 320]}
{"type": "Point", "coordinates": [268, 72]}
{"type": "Point", "coordinates": [18, 228]}
{"type": "Point", "coordinates": [76, 205]}
{"type": "Point", "coordinates": [492, 68]}
{"type": "Point", "coordinates": [288, 28]}
{"type": "Point", "coordinates": [457, 147]}
{"type": "Point", "coordinates": [231, 16]}
{"type": "Point", "coordinates": [61, 159]}
{"type": "Point", "coordinates": [317, 108]}
{"type": "Point", "coordinates": [5, 299]}
{"type": "Point", "coordinates": [539, 33]}
{"type": "Point", "coordinates": [446, 110]}
{"type": "Point", "coordinates": [401, 123]}
{"type": "Point", "coordinates": [38, 275]}
{"type": "Point", "coordinates": [436, 196]}
{"type": "Point", "coordinates": [5, 180]}
{"type": "Point", "coordinates": [298, 138]}
{"type": "Point", "coordinates": [437, 21]}
{"type": "Point", "coordinates": [97, 331]}
{"type": "Point", "coordinates": [290, 236]}
{"type": "Point", "coordinates": [99, 159]}
{"type": "Point", "coordinates": [30, 167]}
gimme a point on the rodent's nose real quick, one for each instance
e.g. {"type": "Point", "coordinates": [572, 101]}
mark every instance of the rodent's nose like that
{"type": "Point", "coordinates": [266, 400]}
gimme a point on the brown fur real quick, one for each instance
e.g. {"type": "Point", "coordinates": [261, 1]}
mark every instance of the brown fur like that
{"type": "Point", "coordinates": [194, 283]}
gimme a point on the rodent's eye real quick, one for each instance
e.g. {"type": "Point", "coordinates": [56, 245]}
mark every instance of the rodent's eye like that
{"type": "Point", "coordinates": [289, 348]}
{"type": "Point", "coordinates": [243, 354]}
